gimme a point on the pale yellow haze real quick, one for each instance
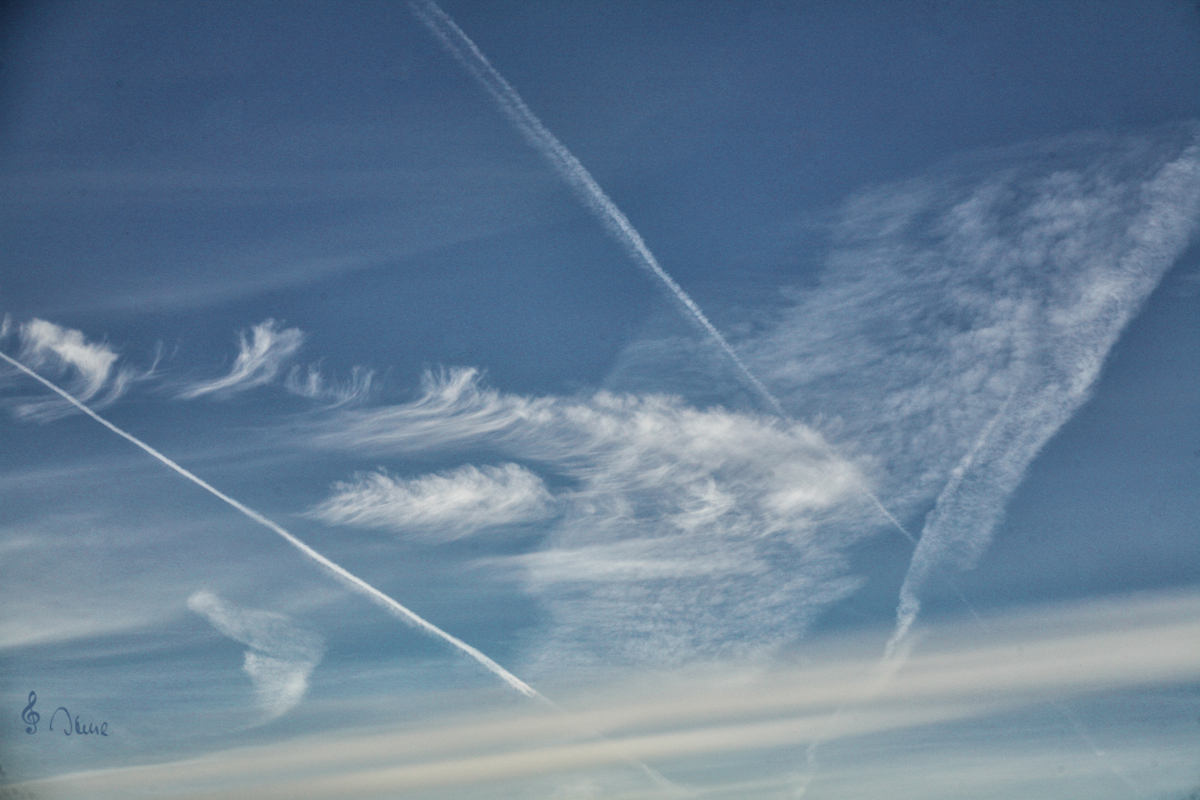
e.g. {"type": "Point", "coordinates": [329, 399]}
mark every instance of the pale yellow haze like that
{"type": "Point", "coordinates": [838, 691]}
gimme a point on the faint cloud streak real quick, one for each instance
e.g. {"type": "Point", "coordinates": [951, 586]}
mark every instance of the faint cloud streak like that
{"type": "Point", "coordinates": [280, 657]}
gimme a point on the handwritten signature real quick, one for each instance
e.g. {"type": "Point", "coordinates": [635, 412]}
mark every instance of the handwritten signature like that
{"type": "Point", "coordinates": [74, 724]}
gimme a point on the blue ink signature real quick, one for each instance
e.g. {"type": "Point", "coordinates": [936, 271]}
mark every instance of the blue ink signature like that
{"type": "Point", "coordinates": [31, 719]}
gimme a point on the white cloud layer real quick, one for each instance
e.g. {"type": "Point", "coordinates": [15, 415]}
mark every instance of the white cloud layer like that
{"type": "Point", "coordinates": [280, 657]}
{"type": "Point", "coordinates": [93, 362]}
{"type": "Point", "coordinates": [440, 507]}
{"type": "Point", "coordinates": [963, 316]}
{"type": "Point", "coordinates": [682, 531]}
{"type": "Point", "coordinates": [260, 359]}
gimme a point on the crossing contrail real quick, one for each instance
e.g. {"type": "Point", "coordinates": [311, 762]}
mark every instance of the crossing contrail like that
{"type": "Point", "coordinates": [351, 580]}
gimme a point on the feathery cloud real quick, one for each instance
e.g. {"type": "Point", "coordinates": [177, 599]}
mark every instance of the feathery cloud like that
{"type": "Point", "coordinates": [440, 507]}
{"type": "Point", "coordinates": [260, 359]}
{"type": "Point", "coordinates": [45, 345]}
{"type": "Point", "coordinates": [962, 319]}
{"type": "Point", "coordinates": [312, 384]}
{"type": "Point", "coordinates": [93, 362]}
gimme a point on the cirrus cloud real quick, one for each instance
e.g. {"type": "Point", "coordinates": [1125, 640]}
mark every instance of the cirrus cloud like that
{"type": "Point", "coordinates": [440, 507]}
{"type": "Point", "coordinates": [97, 378]}
{"type": "Point", "coordinates": [260, 359]}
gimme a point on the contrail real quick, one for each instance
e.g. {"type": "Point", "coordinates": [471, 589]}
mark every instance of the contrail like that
{"type": "Point", "coordinates": [909, 605]}
{"type": "Point", "coordinates": [618, 225]}
{"type": "Point", "coordinates": [585, 187]}
{"type": "Point", "coordinates": [351, 580]}
{"type": "Point", "coordinates": [574, 173]}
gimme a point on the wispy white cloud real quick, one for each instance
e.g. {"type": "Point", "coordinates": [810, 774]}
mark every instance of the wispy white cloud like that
{"type": "Point", "coordinates": [97, 379]}
{"type": "Point", "coordinates": [681, 530]}
{"type": "Point", "coordinates": [260, 359]}
{"type": "Point", "coordinates": [93, 362]}
{"type": "Point", "coordinates": [280, 657]}
{"type": "Point", "coordinates": [312, 384]}
{"type": "Point", "coordinates": [348, 578]}
{"type": "Point", "coordinates": [443, 506]}
{"type": "Point", "coordinates": [1115, 241]}
{"type": "Point", "coordinates": [961, 319]}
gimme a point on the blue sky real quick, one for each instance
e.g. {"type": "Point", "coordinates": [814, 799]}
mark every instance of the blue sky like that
{"type": "Point", "coordinates": [801, 396]}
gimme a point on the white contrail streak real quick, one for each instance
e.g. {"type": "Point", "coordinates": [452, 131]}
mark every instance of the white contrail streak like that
{"type": "Point", "coordinates": [585, 187]}
{"type": "Point", "coordinates": [909, 605]}
{"type": "Point", "coordinates": [573, 172]}
{"type": "Point", "coordinates": [355, 583]}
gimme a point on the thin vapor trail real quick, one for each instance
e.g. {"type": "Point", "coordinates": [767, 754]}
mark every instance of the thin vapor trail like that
{"type": "Point", "coordinates": [351, 580]}
{"type": "Point", "coordinates": [585, 187]}
{"type": "Point", "coordinates": [574, 173]}
{"type": "Point", "coordinates": [909, 605]}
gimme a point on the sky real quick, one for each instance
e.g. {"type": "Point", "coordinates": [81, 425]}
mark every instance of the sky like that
{"type": "Point", "coordinates": [611, 400]}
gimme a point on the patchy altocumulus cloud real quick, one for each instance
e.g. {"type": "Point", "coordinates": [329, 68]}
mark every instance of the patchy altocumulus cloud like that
{"type": "Point", "coordinates": [280, 657]}
{"type": "Point", "coordinates": [965, 316]}
{"type": "Point", "coordinates": [440, 507]}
